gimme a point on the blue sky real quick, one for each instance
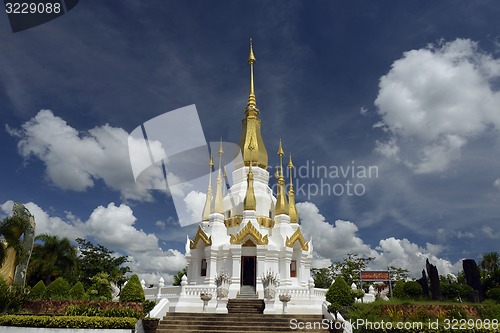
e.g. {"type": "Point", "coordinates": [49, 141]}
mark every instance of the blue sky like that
{"type": "Point", "coordinates": [409, 87]}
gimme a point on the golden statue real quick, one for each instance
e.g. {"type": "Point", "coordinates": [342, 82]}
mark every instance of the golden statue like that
{"type": "Point", "coordinates": [17, 236]}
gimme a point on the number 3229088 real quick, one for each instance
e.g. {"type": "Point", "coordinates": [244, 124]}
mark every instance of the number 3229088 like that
{"type": "Point", "coordinates": [32, 8]}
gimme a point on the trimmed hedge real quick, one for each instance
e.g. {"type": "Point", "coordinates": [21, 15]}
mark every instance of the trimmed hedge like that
{"type": "Point", "coordinates": [132, 291]}
{"type": "Point", "coordinates": [68, 322]}
{"type": "Point", "coordinates": [47, 307]}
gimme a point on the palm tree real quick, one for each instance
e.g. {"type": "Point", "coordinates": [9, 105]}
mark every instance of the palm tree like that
{"type": "Point", "coordinates": [52, 257]}
{"type": "Point", "coordinates": [490, 264]}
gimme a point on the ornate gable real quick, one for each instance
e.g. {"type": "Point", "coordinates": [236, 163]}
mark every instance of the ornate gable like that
{"type": "Point", "coordinates": [297, 236]}
{"type": "Point", "coordinates": [249, 229]}
{"type": "Point", "coordinates": [200, 235]}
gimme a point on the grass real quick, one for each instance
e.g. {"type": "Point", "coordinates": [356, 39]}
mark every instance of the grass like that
{"type": "Point", "coordinates": [422, 310]}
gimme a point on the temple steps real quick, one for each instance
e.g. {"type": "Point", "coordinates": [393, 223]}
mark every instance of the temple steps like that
{"type": "Point", "coordinates": [232, 323]}
{"type": "Point", "coordinates": [244, 306]}
{"type": "Point", "coordinates": [247, 292]}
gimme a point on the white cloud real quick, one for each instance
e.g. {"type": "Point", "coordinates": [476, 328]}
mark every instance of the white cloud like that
{"type": "Point", "coordinates": [496, 184]}
{"type": "Point", "coordinates": [195, 202]}
{"type": "Point", "coordinates": [336, 241]}
{"type": "Point", "coordinates": [436, 99]}
{"type": "Point", "coordinates": [114, 227]}
{"type": "Point", "coordinates": [75, 160]}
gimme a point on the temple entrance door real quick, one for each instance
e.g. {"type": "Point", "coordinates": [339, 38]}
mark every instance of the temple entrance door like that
{"type": "Point", "coordinates": [248, 271]}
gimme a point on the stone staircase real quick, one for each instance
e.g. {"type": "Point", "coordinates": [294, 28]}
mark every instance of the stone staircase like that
{"type": "Point", "coordinates": [237, 323]}
{"type": "Point", "coordinates": [247, 292]}
{"type": "Point", "coordinates": [244, 306]}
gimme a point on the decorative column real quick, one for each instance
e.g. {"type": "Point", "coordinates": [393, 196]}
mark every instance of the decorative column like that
{"type": "Point", "coordinates": [234, 288]}
{"type": "Point", "coordinates": [211, 255]}
{"type": "Point", "coordinates": [261, 264]}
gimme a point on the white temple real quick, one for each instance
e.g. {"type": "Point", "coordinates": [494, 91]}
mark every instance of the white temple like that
{"type": "Point", "coordinates": [248, 232]}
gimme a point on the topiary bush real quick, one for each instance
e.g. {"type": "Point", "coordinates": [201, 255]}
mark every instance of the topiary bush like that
{"type": "Point", "coordinates": [412, 289]}
{"type": "Point", "coordinates": [38, 290]}
{"type": "Point", "coordinates": [132, 291]}
{"type": "Point", "coordinates": [77, 292]}
{"type": "Point", "coordinates": [68, 322]}
{"type": "Point", "coordinates": [398, 290]}
{"type": "Point", "coordinates": [494, 294]}
{"type": "Point", "coordinates": [57, 290]}
{"type": "Point", "coordinates": [100, 290]}
{"type": "Point", "coordinates": [339, 295]}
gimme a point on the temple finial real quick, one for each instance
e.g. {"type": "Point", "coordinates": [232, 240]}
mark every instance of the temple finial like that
{"type": "Point", "coordinates": [252, 102]}
{"type": "Point", "coordinates": [208, 200]}
{"type": "Point", "coordinates": [281, 201]}
{"type": "Point", "coordinates": [218, 204]}
{"type": "Point", "coordinates": [294, 217]}
{"type": "Point", "coordinates": [249, 203]}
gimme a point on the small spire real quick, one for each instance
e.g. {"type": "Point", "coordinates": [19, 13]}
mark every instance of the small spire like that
{"type": "Point", "coordinates": [281, 201]}
{"type": "Point", "coordinates": [251, 56]}
{"type": "Point", "coordinates": [294, 217]}
{"type": "Point", "coordinates": [249, 203]}
{"type": "Point", "coordinates": [208, 200]}
{"type": "Point", "coordinates": [252, 102]}
{"type": "Point", "coordinates": [218, 204]}
{"type": "Point", "coordinates": [280, 154]}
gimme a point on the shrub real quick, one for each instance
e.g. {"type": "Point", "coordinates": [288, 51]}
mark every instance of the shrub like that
{"type": "Point", "coordinates": [147, 306]}
{"type": "Point", "coordinates": [398, 290]}
{"type": "Point", "coordinates": [68, 322]}
{"type": "Point", "coordinates": [494, 294]}
{"type": "Point", "coordinates": [57, 290]}
{"type": "Point", "coordinates": [454, 290]}
{"type": "Point", "coordinates": [132, 291]}
{"type": "Point", "coordinates": [358, 293]}
{"type": "Point", "coordinates": [48, 307]}
{"type": "Point", "coordinates": [11, 297]}
{"type": "Point", "coordinates": [77, 292]}
{"type": "Point", "coordinates": [101, 287]}
{"type": "Point", "coordinates": [412, 289]}
{"type": "Point", "coordinates": [38, 290]}
{"type": "Point", "coordinates": [339, 295]}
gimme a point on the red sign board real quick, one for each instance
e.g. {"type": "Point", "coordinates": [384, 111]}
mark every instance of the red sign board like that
{"type": "Point", "coordinates": [374, 276]}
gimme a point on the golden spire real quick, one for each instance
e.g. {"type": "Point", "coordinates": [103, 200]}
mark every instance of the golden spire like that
{"type": "Point", "coordinates": [208, 200]}
{"type": "Point", "coordinates": [252, 102]}
{"type": "Point", "coordinates": [218, 205]}
{"type": "Point", "coordinates": [281, 202]}
{"type": "Point", "coordinates": [251, 125]}
{"type": "Point", "coordinates": [294, 217]}
{"type": "Point", "coordinates": [250, 203]}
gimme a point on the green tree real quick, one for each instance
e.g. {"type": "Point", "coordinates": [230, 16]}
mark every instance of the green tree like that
{"type": "Point", "coordinates": [412, 289]}
{"type": "Point", "coordinates": [350, 267]}
{"type": "Point", "coordinates": [179, 275]}
{"type": "Point", "coordinates": [52, 257]}
{"type": "Point", "coordinates": [77, 292]}
{"type": "Point", "coordinates": [100, 290]}
{"type": "Point", "coordinates": [132, 291]}
{"type": "Point", "coordinates": [322, 277]}
{"type": "Point", "coordinates": [57, 289]}
{"type": "Point", "coordinates": [398, 273]}
{"type": "Point", "coordinates": [494, 294]}
{"type": "Point", "coordinates": [94, 259]}
{"type": "Point", "coordinates": [398, 290]}
{"type": "Point", "coordinates": [339, 295]}
{"type": "Point", "coordinates": [490, 270]}
{"type": "Point", "coordinates": [38, 291]}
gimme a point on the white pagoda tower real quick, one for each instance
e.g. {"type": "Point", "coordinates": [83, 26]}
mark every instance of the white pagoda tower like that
{"type": "Point", "coordinates": [250, 232]}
